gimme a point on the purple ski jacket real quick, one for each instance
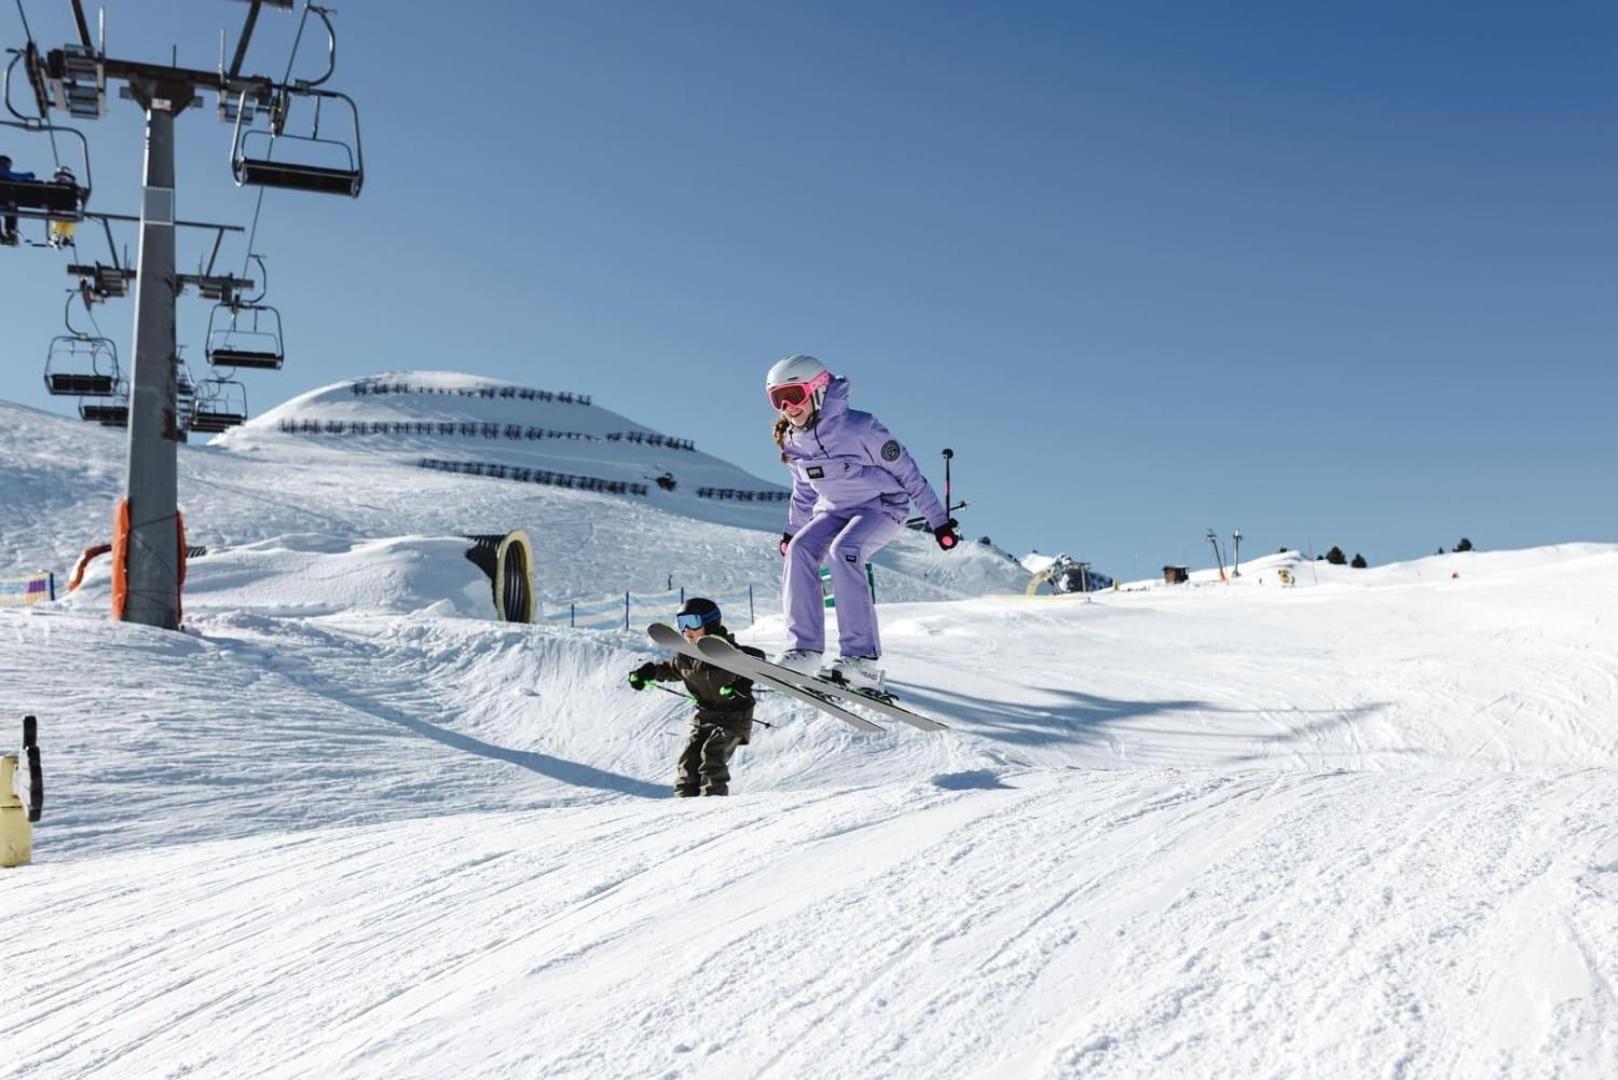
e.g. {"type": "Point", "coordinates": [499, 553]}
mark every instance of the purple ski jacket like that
{"type": "Point", "coordinates": [847, 462]}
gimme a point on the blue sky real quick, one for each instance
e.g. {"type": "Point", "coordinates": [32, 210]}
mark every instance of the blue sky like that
{"type": "Point", "coordinates": [1342, 275]}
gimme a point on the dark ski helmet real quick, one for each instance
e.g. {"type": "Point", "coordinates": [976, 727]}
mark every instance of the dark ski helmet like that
{"type": "Point", "coordinates": [696, 612]}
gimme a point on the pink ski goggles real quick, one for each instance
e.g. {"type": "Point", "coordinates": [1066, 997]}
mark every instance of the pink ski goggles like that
{"type": "Point", "coordinates": [793, 394]}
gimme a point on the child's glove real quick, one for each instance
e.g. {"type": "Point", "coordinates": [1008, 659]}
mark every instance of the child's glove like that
{"type": "Point", "coordinates": [946, 535]}
{"type": "Point", "coordinates": [642, 675]}
{"type": "Point", "coordinates": [786, 538]}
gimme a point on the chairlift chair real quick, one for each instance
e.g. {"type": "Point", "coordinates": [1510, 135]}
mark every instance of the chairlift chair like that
{"type": "Point", "coordinates": [61, 197]}
{"type": "Point", "coordinates": [106, 411]}
{"type": "Point", "coordinates": [244, 335]}
{"type": "Point", "coordinates": [221, 404]}
{"type": "Point", "coordinates": [81, 364]}
{"type": "Point", "coordinates": [253, 158]}
{"type": "Point", "coordinates": [344, 170]}
{"type": "Point", "coordinates": [185, 394]}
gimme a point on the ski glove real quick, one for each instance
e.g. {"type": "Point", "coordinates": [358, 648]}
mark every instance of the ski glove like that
{"type": "Point", "coordinates": [946, 535]}
{"type": "Point", "coordinates": [642, 675]}
{"type": "Point", "coordinates": [786, 538]}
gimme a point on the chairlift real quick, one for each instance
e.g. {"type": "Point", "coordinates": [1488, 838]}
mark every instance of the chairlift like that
{"type": "Point", "coordinates": [337, 168]}
{"type": "Point", "coordinates": [81, 364]}
{"type": "Point", "coordinates": [221, 404]}
{"type": "Point", "coordinates": [82, 367]}
{"type": "Point", "coordinates": [107, 412]}
{"type": "Point", "coordinates": [245, 335]}
{"type": "Point", "coordinates": [185, 393]}
{"type": "Point", "coordinates": [60, 198]}
{"type": "Point", "coordinates": [253, 155]}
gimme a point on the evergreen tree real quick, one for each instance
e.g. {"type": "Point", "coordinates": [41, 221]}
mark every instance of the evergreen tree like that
{"type": "Point", "coordinates": [1464, 545]}
{"type": "Point", "coordinates": [1441, 549]}
{"type": "Point", "coordinates": [1336, 557]}
{"type": "Point", "coordinates": [1359, 561]}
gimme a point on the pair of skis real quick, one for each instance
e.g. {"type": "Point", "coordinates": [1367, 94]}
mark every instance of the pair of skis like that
{"type": "Point", "coordinates": [829, 697]}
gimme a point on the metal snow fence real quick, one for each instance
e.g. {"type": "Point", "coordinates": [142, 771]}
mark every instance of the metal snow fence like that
{"type": "Point", "coordinates": [631, 610]}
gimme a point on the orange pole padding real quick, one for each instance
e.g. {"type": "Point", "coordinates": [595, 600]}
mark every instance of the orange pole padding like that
{"type": "Point", "coordinates": [120, 559]}
{"type": "Point", "coordinates": [91, 553]}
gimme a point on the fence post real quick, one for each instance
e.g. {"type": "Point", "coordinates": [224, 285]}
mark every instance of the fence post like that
{"type": "Point", "coordinates": [751, 618]}
{"type": "Point", "coordinates": [626, 611]}
{"type": "Point", "coordinates": [53, 587]}
{"type": "Point", "coordinates": [572, 615]}
{"type": "Point", "coordinates": [682, 590]}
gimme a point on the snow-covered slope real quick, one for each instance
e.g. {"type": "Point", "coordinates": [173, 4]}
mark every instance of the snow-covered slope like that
{"type": "Point", "coordinates": [1361, 825]}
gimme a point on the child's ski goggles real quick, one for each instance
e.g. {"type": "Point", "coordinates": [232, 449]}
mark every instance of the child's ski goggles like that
{"type": "Point", "coordinates": [793, 394]}
{"type": "Point", "coordinates": [694, 621]}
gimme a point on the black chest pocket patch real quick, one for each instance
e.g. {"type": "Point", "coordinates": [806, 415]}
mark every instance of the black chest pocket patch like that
{"type": "Point", "coordinates": [815, 472]}
{"type": "Point", "coordinates": [891, 451]}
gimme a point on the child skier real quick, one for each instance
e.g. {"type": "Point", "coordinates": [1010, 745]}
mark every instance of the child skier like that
{"type": "Point", "coordinates": [724, 718]}
{"type": "Point", "coordinates": [852, 486]}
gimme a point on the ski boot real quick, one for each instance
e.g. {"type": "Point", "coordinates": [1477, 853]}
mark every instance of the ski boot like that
{"type": "Point", "coordinates": [802, 661]}
{"type": "Point", "coordinates": [857, 673]}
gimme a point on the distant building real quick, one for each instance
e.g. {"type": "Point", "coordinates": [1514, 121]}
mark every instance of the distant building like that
{"type": "Point", "coordinates": [1176, 575]}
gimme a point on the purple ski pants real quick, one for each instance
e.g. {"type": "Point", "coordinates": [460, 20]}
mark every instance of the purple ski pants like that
{"type": "Point", "coordinates": [846, 543]}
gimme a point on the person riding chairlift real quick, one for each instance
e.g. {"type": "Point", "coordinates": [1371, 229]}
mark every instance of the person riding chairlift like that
{"type": "Point", "coordinates": [8, 234]}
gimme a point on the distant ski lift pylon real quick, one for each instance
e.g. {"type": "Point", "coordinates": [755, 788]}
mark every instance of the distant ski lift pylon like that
{"type": "Point", "coordinates": [221, 404]}
{"type": "Point", "coordinates": [81, 364]}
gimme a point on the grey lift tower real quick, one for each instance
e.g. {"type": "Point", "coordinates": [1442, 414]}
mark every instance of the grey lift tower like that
{"type": "Point", "coordinates": [75, 78]}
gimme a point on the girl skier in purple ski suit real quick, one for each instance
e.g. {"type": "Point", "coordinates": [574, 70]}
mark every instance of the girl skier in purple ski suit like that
{"type": "Point", "coordinates": [852, 486]}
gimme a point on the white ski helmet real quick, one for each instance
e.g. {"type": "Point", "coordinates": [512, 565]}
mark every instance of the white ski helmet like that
{"type": "Point", "coordinates": [795, 377]}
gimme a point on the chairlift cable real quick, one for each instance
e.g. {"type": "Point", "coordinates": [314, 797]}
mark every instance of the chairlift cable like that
{"type": "Point", "coordinates": [50, 131]}
{"type": "Point", "coordinates": [23, 15]}
{"type": "Point", "coordinates": [252, 233]}
{"type": "Point", "coordinates": [296, 40]}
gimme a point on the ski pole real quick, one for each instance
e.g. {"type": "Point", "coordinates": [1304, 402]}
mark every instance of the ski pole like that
{"type": "Point", "coordinates": [722, 693]}
{"type": "Point", "coordinates": [948, 454]}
